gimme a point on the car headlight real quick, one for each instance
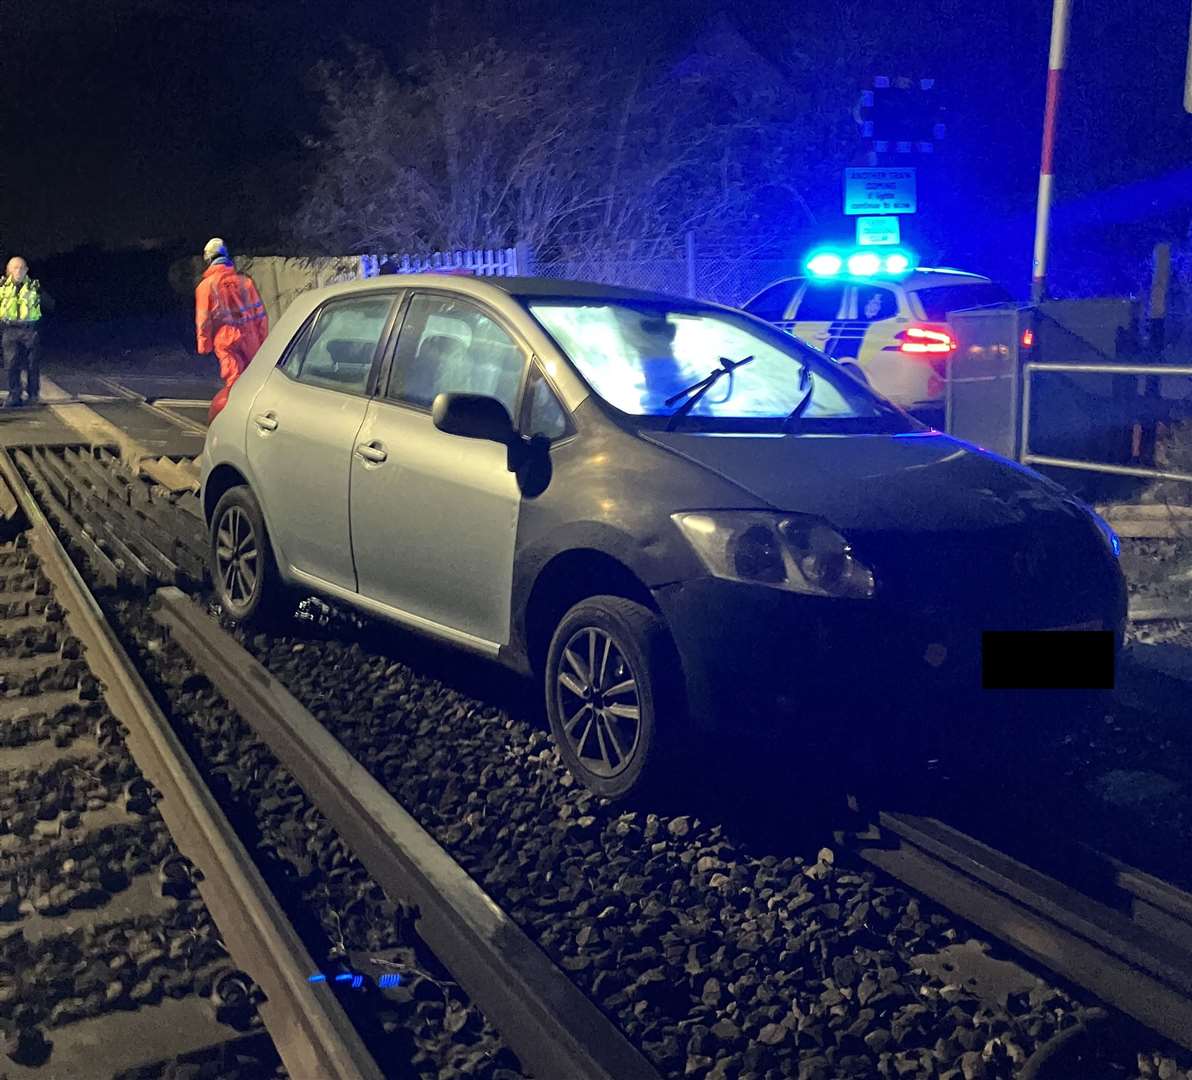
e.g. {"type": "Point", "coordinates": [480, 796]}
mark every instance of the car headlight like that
{"type": "Point", "coordinates": [1107, 533]}
{"type": "Point", "coordinates": [784, 551]}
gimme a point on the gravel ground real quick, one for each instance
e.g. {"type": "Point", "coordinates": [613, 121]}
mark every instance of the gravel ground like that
{"type": "Point", "coordinates": [719, 931]}
{"type": "Point", "coordinates": [1159, 570]}
{"type": "Point", "coordinates": [1175, 631]}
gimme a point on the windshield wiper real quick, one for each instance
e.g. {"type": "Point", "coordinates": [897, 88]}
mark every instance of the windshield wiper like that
{"type": "Point", "coordinates": [697, 390]}
{"type": "Point", "coordinates": [807, 385]}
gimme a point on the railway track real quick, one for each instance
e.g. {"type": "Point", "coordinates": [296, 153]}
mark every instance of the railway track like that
{"type": "Point", "coordinates": [550, 1024]}
{"type": "Point", "coordinates": [111, 963]}
{"type": "Point", "coordinates": [1128, 941]}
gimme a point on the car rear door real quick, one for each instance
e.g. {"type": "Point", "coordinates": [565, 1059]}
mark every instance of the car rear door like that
{"type": "Point", "coordinates": [302, 427]}
{"type": "Point", "coordinates": [878, 312]}
{"type": "Point", "coordinates": [434, 516]}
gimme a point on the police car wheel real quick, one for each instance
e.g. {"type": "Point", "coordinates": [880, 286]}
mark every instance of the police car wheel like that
{"type": "Point", "coordinates": [610, 694]}
{"type": "Point", "coordinates": [855, 371]}
{"type": "Point", "coordinates": [243, 570]}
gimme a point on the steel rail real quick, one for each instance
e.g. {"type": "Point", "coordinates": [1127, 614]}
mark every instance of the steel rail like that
{"type": "Point", "coordinates": [313, 1035]}
{"type": "Point", "coordinates": [191, 427]}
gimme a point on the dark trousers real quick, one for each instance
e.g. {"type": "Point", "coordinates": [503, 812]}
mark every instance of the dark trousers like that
{"type": "Point", "coordinates": [22, 352]}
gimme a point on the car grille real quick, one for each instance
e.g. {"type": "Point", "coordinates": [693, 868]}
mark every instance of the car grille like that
{"type": "Point", "coordinates": [1053, 572]}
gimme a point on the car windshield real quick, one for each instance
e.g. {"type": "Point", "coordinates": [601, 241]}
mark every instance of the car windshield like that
{"type": "Point", "coordinates": [938, 300]}
{"type": "Point", "coordinates": [638, 355]}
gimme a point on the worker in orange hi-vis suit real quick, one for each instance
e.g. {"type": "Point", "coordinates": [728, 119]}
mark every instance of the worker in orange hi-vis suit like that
{"type": "Point", "coordinates": [230, 317]}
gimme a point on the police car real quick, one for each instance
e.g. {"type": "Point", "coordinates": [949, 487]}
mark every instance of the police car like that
{"type": "Point", "coordinates": [883, 321]}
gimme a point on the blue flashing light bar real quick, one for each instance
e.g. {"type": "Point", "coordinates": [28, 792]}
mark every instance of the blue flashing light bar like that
{"type": "Point", "coordinates": [864, 264]}
{"type": "Point", "coordinates": [345, 977]}
{"type": "Point", "coordinates": [825, 263]}
{"type": "Point", "coordinates": [318, 976]}
{"type": "Point", "coordinates": [386, 981]}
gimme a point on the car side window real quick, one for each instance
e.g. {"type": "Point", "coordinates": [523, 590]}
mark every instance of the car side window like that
{"type": "Point", "coordinates": [773, 303]}
{"type": "Point", "coordinates": [341, 344]}
{"type": "Point", "coordinates": [875, 303]}
{"type": "Point", "coordinates": [291, 359]}
{"type": "Point", "coordinates": [820, 303]}
{"type": "Point", "coordinates": [451, 346]}
{"type": "Point", "coordinates": [545, 414]}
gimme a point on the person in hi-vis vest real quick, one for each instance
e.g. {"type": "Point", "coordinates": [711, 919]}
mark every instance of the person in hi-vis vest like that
{"type": "Point", "coordinates": [22, 304]}
{"type": "Point", "coordinates": [230, 318]}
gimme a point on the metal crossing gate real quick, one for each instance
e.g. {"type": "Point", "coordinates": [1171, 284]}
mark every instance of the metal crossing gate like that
{"type": "Point", "coordinates": [1062, 386]}
{"type": "Point", "coordinates": [983, 391]}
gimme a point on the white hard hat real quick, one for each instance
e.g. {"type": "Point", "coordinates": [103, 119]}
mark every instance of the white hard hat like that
{"type": "Point", "coordinates": [214, 248]}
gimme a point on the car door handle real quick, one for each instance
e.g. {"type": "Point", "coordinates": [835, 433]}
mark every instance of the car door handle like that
{"type": "Point", "coordinates": [266, 422]}
{"type": "Point", "coordinates": [373, 452]}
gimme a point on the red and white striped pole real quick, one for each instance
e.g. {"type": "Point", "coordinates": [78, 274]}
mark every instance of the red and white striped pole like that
{"type": "Point", "coordinates": [1055, 68]}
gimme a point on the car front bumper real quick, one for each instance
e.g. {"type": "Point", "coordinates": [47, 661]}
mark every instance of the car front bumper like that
{"type": "Point", "coordinates": [762, 660]}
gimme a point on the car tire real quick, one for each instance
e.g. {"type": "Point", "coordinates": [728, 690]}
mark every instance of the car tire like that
{"type": "Point", "coordinates": [247, 583]}
{"type": "Point", "coordinates": [855, 371]}
{"type": "Point", "coordinates": [612, 753]}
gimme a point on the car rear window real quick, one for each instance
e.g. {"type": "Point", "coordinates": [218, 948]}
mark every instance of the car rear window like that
{"type": "Point", "coordinates": [938, 300]}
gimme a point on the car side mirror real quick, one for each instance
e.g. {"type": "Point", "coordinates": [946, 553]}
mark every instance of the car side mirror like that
{"type": "Point", "coordinates": [474, 416]}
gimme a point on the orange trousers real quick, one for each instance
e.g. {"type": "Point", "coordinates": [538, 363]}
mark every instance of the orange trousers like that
{"type": "Point", "coordinates": [231, 364]}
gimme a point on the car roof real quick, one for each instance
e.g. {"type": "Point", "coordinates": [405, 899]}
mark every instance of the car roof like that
{"type": "Point", "coordinates": [536, 286]}
{"type": "Point", "coordinates": [527, 287]}
{"type": "Point", "coordinates": [922, 277]}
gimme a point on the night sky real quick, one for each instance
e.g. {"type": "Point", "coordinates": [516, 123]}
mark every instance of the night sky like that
{"type": "Point", "coordinates": [160, 121]}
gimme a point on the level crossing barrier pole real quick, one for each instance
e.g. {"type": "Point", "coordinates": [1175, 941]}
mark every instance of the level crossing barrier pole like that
{"type": "Point", "coordinates": [1055, 68]}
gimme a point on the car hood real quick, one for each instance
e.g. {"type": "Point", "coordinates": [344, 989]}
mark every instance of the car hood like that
{"type": "Point", "coordinates": [919, 481]}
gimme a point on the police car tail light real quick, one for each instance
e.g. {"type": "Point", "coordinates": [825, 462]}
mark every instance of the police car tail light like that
{"type": "Point", "coordinates": [926, 339]}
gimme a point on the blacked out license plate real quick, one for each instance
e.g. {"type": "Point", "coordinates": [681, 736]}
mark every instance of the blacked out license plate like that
{"type": "Point", "coordinates": [1066, 658]}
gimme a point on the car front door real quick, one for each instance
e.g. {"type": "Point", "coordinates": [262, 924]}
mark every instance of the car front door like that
{"type": "Point", "coordinates": [775, 303]}
{"type": "Point", "coordinates": [434, 516]}
{"type": "Point", "coordinates": [818, 313]}
{"type": "Point", "coordinates": [302, 428]}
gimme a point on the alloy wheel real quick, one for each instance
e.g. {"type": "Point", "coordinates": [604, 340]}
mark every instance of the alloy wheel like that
{"type": "Point", "coordinates": [237, 556]}
{"type": "Point", "coordinates": [597, 693]}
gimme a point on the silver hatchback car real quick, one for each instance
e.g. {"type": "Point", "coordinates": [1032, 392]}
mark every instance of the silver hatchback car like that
{"type": "Point", "coordinates": [671, 513]}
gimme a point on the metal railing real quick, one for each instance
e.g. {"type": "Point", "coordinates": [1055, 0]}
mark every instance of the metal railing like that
{"type": "Point", "coordinates": [1028, 458]}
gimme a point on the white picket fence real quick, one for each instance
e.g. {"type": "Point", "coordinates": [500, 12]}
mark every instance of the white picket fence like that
{"type": "Point", "coordinates": [709, 274]}
{"type": "Point", "coordinates": [483, 262]}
